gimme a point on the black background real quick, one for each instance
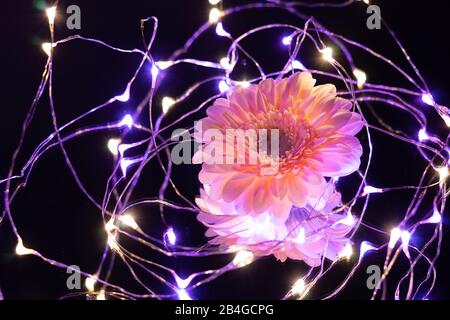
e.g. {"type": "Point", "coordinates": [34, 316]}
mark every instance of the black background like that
{"type": "Point", "coordinates": [56, 219]}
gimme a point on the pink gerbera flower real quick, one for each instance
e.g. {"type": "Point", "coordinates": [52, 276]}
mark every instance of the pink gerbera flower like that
{"type": "Point", "coordinates": [316, 132]}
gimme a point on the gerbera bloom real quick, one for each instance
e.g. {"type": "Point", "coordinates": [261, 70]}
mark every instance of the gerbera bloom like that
{"type": "Point", "coordinates": [316, 131]}
{"type": "Point", "coordinates": [309, 234]}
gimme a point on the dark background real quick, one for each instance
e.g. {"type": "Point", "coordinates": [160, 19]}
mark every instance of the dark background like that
{"type": "Point", "coordinates": [56, 219]}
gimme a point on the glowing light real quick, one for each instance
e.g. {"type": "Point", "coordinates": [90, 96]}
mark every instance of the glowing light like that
{"type": "Point", "coordinates": [110, 226]}
{"type": "Point", "coordinates": [127, 121]}
{"type": "Point", "coordinates": [443, 174]}
{"type": "Point", "coordinates": [327, 54]}
{"type": "Point", "coordinates": [435, 218]}
{"type": "Point", "coordinates": [370, 189]}
{"type": "Point", "coordinates": [287, 40]}
{"type": "Point", "coordinates": [154, 71]}
{"type": "Point", "coordinates": [124, 97]}
{"type": "Point", "coordinates": [167, 103]}
{"type": "Point", "coordinates": [113, 145]}
{"type": "Point", "coordinates": [406, 236]}
{"type": "Point", "coordinates": [112, 242]}
{"type": "Point", "coordinates": [361, 77]}
{"type": "Point", "coordinates": [47, 47]}
{"type": "Point", "coordinates": [215, 15]}
{"type": "Point", "coordinates": [428, 99]}
{"type": "Point", "coordinates": [395, 235]}
{"type": "Point", "coordinates": [220, 31]}
{"type": "Point", "coordinates": [243, 258]}
{"type": "Point", "coordinates": [21, 250]}
{"type": "Point", "coordinates": [171, 236]}
{"type": "Point", "coordinates": [244, 84]}
{"type": "Point", "coordinates": [51, 14]}
{"type": "Point", "coordinates": [128, 220]}
{"type": "Point", "coordinates": [364, 248]}
{"type": "Point", "coordinates": [183, 283]}
{"type": "Point", "coordinates": [225, 63]}
{"type": "Point", "coordinates": [162, 65]}
{"type": "Point", "coordinates": [126, 163]}
{"type": "Point", "coordinates": [101, 295]}
{"type": "Point", "coordinates": [347, 251]}
{"type": "Point", "coordinates": [223, 86]}
{"type": "Point", "coordinates": [349, 220]}
{"type": "Point", "coordinates": [423, 135]}
{"type": "Point", "coordinates": [183, 295]}
{"type": "Point", "coordinates": [299, 287]}
{"type": "Point", "coordinates": [214, 2]}
{"type": "Point", "coordinates": [297, 65]}
{"type": "Point", "coordinates": [90, 283]}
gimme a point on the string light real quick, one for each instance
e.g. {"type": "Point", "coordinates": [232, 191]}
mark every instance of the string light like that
{"type": "Point", "coordinates": [215, 15]}
{"type": "Point", "coordinates": [51, 14]}
{"type": "Point", "coordinates": [299, 287]}
{"type": "Point", "coordinates": [220, 31]}
{"type": "Point", "coordinates": [183, 295]}
{"type": "Point", "coordinates": [101, 295]}
{"type": "Point", "coordinates": [225, 63]}
{"type": "Point", "coordinates": [90, 283]}
{"type": "Point", "coordinates": [214, 2]}
{"type": "Point", "coordinates": [113, 145]}
{"type": "Point", "coordinates": [223, 86]}
{"type": "Point", "coordinates": [287, 40]}
{"type": "Point", "coordinates": [47, 47]}
{"type": "Point", "coordinates": [243, 258]}
{"type": "Point", "coordinates": [370, 189]}
{"type": "Point", "coordinates": [428, 99]}
{"type": "Point", "coordinates": [423, 135]}
{"type": "Point", "coordinates": [395, 235]}
{"type": "Point", "coordinates": [347, 252]}
{"type": "Point", "coordinates": [361, 77]}
{"type": "Point", "coordinates": [171, 236]}
{"type": "Point", "coordinates": [21, 250]}
{"type": "Point", "coordinates": [167, 103]}
{"type": "Point", "coordinates": [125, 96]}
{"type": "Point", "coordinates": [443, 174]}
{"type": "Point", "coordinates": [327, 54]}
{"type": "Point", "coordinates": [127, 121]}
{"type": "Point", "coordinates": [128, 220]}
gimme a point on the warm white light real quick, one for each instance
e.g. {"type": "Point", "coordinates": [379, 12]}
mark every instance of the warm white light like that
{"type": "Point", "coordinates": [396, 233]}
{"type": "Point", "coordinates": [223, 86]}
{"type": "Point", "coordinates": [298, 287]}
{"type": "Point", "coordinates": [244, 84]}
{"type": "Point", "coordinates": [167, 103]}
{"type": "Point", "coordinates": [110, 226]}
{"type": "Point", "coordinates": [349, 220]}
{"type": "Point", "coordinates": [347, 251]}
{"type": "Point", "coordinates": [443, 174]}
{"type": "Point", "coordinates": [162, 65]}
{"type": "Point", "coordinates": [406, 236]}
{"type": "Point", "coordinates": [428, 99]}
{"type": "Point", "coordinates": [365, 247]}
{"type": "Point", "coordinates": [127, 121]}
{"type": "Point", "coordinates": [183, 283]}
{"type": "Point", "coordinates": [113, 145]}
{"type": "Point", "coordinates": [47, 47]}
{"type": "Point", "coordinates": [214, 2]}
{"type": "Point", "coordinates": [435, 218]}
{"type": "Point", "coordinates": [124, 97]}
{"type": "Point", "coordinates": [129, 221]}
{"type": "Point", "coordinates": [125, 164]}
{"type": "Point", "coordinates": [154, 71]}
{"type": "Point", "coordinates": [112, 242]}
{"type": "Point", "coordinates": [101, 295]}
{"type": "Point", "coordinates": [215, 15]}
{"type": "Point", "coordinates": [297, 65]}
{"type": "Point", "coordinates": [286, 40]}
{"type": "Point", "coordinates": [243, 258]}
{"type": "Point", "coordinates": [90, 283]}
{"type": "Point", "coordinates": [21, 250]}
{"type": "Point", "coordinates": [370, 189]}
{"type": "Point", "coordinates": [361, 77]}
{"type": "Point", "coordinates": [225, 63]}
{"type": "Point", "coordinates": [327, 54]}
{"type": "Point", "coordinates": [220, 31]}
{"type": "Point", "coordinates": [446, 119]}
{"type": "Point", "coordinates": [423, 135]}
{"type": "Point", "coordinates": [51, 14]}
